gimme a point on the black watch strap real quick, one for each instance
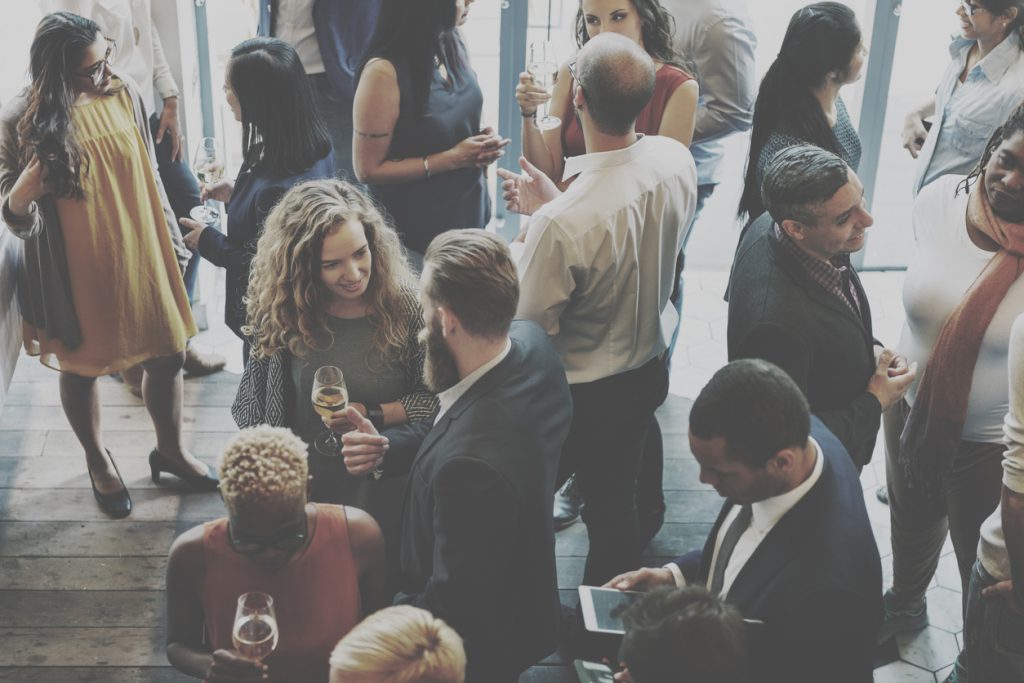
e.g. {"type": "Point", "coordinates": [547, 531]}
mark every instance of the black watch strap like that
{"type": "Point", "coordinates": [375, 414]}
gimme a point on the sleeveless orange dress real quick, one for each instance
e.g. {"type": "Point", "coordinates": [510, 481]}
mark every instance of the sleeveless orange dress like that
{"type": "Point", "coordinates": [316, 595]}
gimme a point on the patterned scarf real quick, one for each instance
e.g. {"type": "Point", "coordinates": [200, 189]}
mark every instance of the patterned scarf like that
{"type": "Point", "coordinates": [932, 434]}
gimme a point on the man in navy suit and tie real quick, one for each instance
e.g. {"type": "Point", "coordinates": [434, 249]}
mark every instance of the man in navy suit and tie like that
{"type": "Point", "coordinates": [478, 544]}
{"type": "Point", "coordinates": [793, 546]}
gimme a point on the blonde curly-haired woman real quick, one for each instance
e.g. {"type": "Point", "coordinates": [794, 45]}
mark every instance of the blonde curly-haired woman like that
{"type": "Point", "coordinates": [321, 564]}
{"type": "Point", "coordinates": [330, 286]}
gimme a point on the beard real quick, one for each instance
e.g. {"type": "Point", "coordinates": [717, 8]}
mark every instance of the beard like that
{"type": "Point", "coordinates": [440, 371]}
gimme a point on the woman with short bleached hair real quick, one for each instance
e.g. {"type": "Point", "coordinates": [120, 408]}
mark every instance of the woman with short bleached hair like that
{"type": "Point", "coordinates": [330, 286]}
{"type": "Point", "coordinates": [402, 644]}
{"type": "Point", "coordinates": [323, 565]}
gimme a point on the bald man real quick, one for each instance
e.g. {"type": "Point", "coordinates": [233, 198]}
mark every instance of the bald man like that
{"type": "Point", "coordinates": [596, 265]}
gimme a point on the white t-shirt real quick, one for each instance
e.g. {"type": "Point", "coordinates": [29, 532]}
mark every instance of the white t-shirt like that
{"type": "Point", "coordinates": [992, 548]}
{"type": "Point", "coordinates": [944, 267]}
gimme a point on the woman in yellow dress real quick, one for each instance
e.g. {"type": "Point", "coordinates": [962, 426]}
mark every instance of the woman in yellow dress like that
{"type": "Point", "coordinates": [99, 286]}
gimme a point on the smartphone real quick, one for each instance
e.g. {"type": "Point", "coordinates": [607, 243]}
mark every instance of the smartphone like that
{"type": "Point", "coordinates": [602, 608]}
{"type": "Point", "coordinates": [590, 672]}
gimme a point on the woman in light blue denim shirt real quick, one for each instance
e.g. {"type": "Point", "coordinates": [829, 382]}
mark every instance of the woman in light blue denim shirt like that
{"type": "Point", "coordinates": [981, 86]}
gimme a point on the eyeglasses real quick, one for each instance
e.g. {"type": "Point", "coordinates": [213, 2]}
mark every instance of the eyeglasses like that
{"type": "Point", "coordinates": [96, 72]}
{"type": "Point", "coordinates": [287, 541]}
{"type": "Point", "coordinates": [970, 9]}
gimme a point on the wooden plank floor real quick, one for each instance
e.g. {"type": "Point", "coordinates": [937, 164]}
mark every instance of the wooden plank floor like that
{"type": "Point", "coordinates": [81, 596]}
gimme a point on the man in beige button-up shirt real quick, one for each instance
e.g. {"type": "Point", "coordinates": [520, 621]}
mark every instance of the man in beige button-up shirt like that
{"type": "Point", "coordinates": [596, 266]}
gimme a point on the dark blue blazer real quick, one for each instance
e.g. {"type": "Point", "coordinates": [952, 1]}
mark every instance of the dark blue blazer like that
{"type": "Point", "coordinates": [815, 581]}
{"type": "Point", "coordinates": [344, 29]}
{"type": "Point", "coordinates": [478, 546]}
{"type": "Point", "coordinates": [256, 192]}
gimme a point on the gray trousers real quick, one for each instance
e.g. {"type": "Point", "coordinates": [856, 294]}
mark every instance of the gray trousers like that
{"type": "Point", "coordinates": [920, 523]}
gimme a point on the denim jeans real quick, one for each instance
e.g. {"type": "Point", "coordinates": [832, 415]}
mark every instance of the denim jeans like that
{"type": "Point", "coordinates": [337, 116]}
{"type": "Point", "coordinates": [993, 635]}
{"type": "Point", "coordinates": [182, 190]}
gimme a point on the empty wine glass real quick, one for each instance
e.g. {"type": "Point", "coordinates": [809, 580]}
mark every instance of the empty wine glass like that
{"type": "Point", "coordinates": [543, 67]}
{"type": "Point", "coordinates": [209, 169]}
{"type": "Point", "coordinates": [255, 632]}
{"type": "Point", "coordinates": [330, 396]}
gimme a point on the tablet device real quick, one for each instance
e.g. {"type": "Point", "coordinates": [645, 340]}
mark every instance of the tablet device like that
{"type": "Point", "coordinates": [590, 672]}
{"type": "Point", "coordinates": [602, 608]}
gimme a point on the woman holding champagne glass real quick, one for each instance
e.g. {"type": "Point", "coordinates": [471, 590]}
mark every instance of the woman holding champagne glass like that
{"type": "Point", "coordinates": [331, 292]}
{"type": "Point", "coordinates": [266, 592]}
{"type": "Point", "coordinates": [551, 132]}
{"type": "Point", "coordinates": [283, 142]}
{"type": "Point", "coordinates": [100, 284]}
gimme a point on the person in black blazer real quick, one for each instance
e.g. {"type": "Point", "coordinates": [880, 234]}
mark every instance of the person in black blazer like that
{"type": "Point", "coordinates": [795, 300]}
{"type": "Point", "coordinates": [812, 576]}
{"type": "Point", "coordinates": [478, 547]}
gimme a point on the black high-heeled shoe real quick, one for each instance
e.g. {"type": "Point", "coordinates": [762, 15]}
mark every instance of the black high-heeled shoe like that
{"type": "Point", "coordinates": [118, 505]}
{"type": "Point", "coordinates": [158, 463]}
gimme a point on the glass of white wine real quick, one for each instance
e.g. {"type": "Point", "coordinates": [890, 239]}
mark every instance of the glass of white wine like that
{"type": "Point", "coordinates": [255, 631]}
{"type": "Point", "coordinates": [209, 169]}
{"type": "Point", "coordinates": [330, 396]}
{"type": "Point", "coordinates": [543, 67]}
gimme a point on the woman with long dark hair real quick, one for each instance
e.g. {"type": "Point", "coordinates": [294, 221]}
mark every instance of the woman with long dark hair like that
{"type": "Point", "coordinates": [284, 142]}
{"type": "Point", "coordinates": [100, 282]}
{"type": "Point", "coordinates": [799, 101]}
{"type": "Point", "coordinates": [418, 144]}
{"type": "Point", "coordinates": [982, 85]}
{"type": "Point", "coordinates": [672, 111]}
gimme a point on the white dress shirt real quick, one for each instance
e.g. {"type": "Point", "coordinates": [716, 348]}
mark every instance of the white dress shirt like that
{"type": "Point", "coordinates": [294, 25]}
{"type": "Point", "coordinates": [597, 266]}
{"type": "Point", "coordinates": [139, 55]}
{"type": "Point", "coordinates": [716, 39]}
{"type": "Point", "coordinates": [765, 514]}
{"type": "Point", "coordinates": [448, 397]}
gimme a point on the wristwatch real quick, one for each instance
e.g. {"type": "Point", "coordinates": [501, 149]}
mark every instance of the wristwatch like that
{"type": "Point", "coordinates": [375, 415]}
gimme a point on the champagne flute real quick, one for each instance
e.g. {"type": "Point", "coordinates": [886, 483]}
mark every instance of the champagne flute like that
{"type": "Point", "coordinates": [255, 631]}
{"type": "Point", "coordinates": [330, 395]}
{"type": "Point", "coordinates": [543, 67]}
{"type": "Point", "coordinates": [209, 168]}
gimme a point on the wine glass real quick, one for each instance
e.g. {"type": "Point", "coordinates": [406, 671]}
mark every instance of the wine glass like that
{"type": "Point", "coordinates": [330, 395]}
{"type": "Point", "coordinates": [209, 168]}
{"type": "Point", "coordinates": [543, 67]}
{"type": "Point", "coordinates": [255, 631]}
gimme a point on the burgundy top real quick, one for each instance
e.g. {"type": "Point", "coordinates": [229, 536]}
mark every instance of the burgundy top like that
{"type": "Point", "coordinates": [316, 595]}
{"type": "Point", "coordinates": [666, 80]}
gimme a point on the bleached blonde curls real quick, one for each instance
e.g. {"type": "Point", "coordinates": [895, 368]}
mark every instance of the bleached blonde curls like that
{"type": "Point", "coordinates": [263, 466]}
{"type": "Point", "coordinates": [402, 644]}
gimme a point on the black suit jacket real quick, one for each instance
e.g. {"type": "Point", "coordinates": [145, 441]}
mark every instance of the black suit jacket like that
{"type": "Point", "coordinates": [815, 581]}
{"type": "Point", "coordinates": [778, 313]}
{"type": "Point", "coordinates": [478, 546]}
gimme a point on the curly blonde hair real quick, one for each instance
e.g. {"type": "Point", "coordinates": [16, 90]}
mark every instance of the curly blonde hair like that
{"type": "Point", "coordinates": [402, 644]}
{"type": "Point", "coordinates": [263, 466]}
{"type": "Point", "coordinates": [286, 304]}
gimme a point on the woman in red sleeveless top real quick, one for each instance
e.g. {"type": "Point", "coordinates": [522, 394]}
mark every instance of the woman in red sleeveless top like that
{"type": "Point", "coordinates": [322, 564]}
{"type": "Point", "coordinates": [671, 112]}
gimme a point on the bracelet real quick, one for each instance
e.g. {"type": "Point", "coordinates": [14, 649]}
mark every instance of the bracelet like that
{"type": "Point", "coordinates": [426, 166]}
{"type": "Point", "coordinates": [526, 114]}
{"type": "Point", "coordinates": [375, 414]}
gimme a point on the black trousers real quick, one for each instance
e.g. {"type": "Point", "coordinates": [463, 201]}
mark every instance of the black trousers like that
{"type": "Point", "coordinates": [610, 425]}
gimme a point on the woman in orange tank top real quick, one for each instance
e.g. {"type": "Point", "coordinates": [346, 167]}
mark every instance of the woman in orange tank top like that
{"type": "Point", "coordinates": [322, 564]}
{"type": "Point", "coordinates": [672, 111]}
